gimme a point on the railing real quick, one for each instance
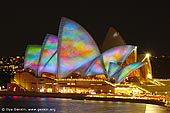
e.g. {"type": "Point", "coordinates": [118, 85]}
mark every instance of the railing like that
{"type": "Point", "coordinates": [78, 80]}
{"type": "Point", "coordinates": [142, 89]}
{"type": "Point", "coordinates": [157, 82]}
{"type": "Point", "coordinates": [110, 83]}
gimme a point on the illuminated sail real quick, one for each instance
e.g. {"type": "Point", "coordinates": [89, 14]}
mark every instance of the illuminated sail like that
{"type": "Point", "coordinates": [32, 57]}
{"type": "Point", "coordinates": [113, 70]}
{"type": "Point", "coordinates": [128, 70]}
{"type": "Point", "coordinates": [113, 39]}
{"type": "Point", "coordinates": [48, 61]}
{"type": "Point", "coordinates": [51, 65]}
{"type": "Point", "coordinates": [117, 54]}
{"type": "Point", "coordinates": [83, 69]}
{"type": "Point", "coordinates": [76, 47]}
{"type": "Point", "coordinates": [97, 67]}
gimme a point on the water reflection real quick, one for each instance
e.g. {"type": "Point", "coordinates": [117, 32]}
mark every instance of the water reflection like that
{"type": "Point", "coordinates": [63, 105]}
{"type": "Point", "coordinates": [156, 109]}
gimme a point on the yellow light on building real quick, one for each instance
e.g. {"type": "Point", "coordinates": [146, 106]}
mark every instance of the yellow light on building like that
{"type": "Point", "coordinates": [14, 89]}
{"type": "Point", "coordinates": [149, 76]}
{"type": "Point", "coordinates": [49, 90]}
{"type": "Point", "coordinates": [148, 55]}
{"type": "Point", "coordinates": [42, 89]}
{"type": "Point", "coordinates": [18, 56]}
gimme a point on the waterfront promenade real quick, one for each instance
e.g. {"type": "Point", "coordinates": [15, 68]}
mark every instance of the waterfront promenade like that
{"type": "Point", "coordinates": [157, 100]}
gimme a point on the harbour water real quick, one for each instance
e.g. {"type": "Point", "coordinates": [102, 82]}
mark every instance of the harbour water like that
{"type": "Point", "coordinates": [20, 104]}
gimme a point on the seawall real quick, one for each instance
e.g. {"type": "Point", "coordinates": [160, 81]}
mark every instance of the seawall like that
{"type": "Point", "coordinates": [75, 96]}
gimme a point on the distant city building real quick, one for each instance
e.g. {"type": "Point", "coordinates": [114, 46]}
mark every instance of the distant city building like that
{"type": "Point", "coordinates": [161, 66]}
{"type": "Point", "coordinates": [11, 64]}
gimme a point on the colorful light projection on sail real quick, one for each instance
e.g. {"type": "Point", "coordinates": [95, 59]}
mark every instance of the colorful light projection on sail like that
{"type": "Point", "coordinates": [51, 65]}
{"type": "Point", "coordinates": [76, 47]}
{"type": "Point", "coordinates": [128, 70]}
{"type": "Point", "coordinates": [83, 69]}
{"type": "Point", "coordinates": [48, 59]}
{"type": "Point", "coordinates": [97, 67]}
{"type": "Point", "coordinates": [114, 70]}
{"type": "Point", "coordinates": [117, 54]}
{"type": "Point", "coordinates": [32, 57]}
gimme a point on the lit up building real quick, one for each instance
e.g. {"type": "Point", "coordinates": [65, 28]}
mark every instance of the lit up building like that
{"type": "Point", "coordinates": [72, 62]}
{"type": "Point", "coordinates": [11, 64]}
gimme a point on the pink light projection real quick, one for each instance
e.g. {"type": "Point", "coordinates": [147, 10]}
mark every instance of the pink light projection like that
{"type": "Point", "coordinates": [48, 58]}
{"type": "Point", "coordinates": [97, 67]}
{"type": "Point", "coordinates": [116, 54]}
{"type": "Point", "coordinates": [76, 47]}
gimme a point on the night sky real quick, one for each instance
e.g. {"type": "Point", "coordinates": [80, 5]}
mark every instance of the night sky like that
{"type": "Point", "coordinates": [147, 28]}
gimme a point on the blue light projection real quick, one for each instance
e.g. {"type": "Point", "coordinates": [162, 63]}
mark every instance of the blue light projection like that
{"type": "Point", "coordinates": [128, 70]}
{"type": "Point", "coordinates": [117, 54]}
{"type": "Point", "coordinates": [48, 58]}
{"type": "Point", "coordinates": [114, 70]}
{"type": "Point", "coordinates": [97, 67]}
{"type": "Point", "coordinates": [83, 69]}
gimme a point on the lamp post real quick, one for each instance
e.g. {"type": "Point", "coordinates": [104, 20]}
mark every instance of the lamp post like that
{"type": "Point", "coordinates": [147, 55]}
{"type": "Point", "coordinates": [149, 68]}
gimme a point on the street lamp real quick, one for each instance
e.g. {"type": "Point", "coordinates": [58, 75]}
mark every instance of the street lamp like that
{"type": "Point", "coordinates": [149, 75]}
{"type": "Point", "coordinates": [147, 55]}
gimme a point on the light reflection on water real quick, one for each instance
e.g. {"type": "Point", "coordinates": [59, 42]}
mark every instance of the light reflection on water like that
{"type": "Point", "coordinates": [62, 105]}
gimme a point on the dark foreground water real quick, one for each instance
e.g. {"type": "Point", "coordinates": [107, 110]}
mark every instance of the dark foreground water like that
{"type": "Point", "coordinates": [21, 104]}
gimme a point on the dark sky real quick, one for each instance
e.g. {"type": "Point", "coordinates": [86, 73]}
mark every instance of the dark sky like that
{"type": "Point", "coordinates": [148, 28]}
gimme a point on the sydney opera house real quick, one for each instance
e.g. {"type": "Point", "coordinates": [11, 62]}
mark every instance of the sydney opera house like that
{"type": "Point", "coordinates": [73, 63]}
